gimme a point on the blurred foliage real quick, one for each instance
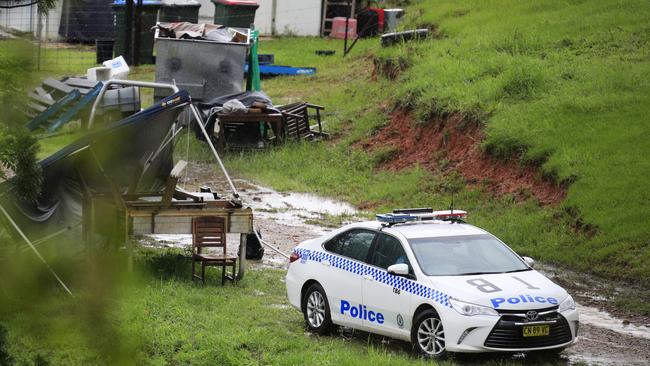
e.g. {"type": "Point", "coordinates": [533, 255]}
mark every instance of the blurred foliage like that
{"type": "Point", "coordinates": [5, 358]}
{"type": "Point", "coordinates": [44, 6]}
{"type": "Point", "coordinates": [18, 153]}
{"type": "Point", "coordinates": [18, 147]}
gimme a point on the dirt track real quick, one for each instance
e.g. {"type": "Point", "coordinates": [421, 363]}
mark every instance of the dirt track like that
{"type": "Point", "coordinates": [282, 219]}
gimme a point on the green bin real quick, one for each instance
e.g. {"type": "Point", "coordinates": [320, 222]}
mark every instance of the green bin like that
{"type": "Point", "coordinates": [179, 11]}
{"type": "Point", "coordinates": [235, 13]}
{"type": "Point", "coordinates": [148, 18]}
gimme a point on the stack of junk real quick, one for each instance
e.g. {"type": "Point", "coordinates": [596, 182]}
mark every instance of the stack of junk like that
{"type": "Point", "coordinates": [249, 119]}
{"type": "Point", "coordinates": [210, 62]}
{"type": "Point", "coordinates": [236, 119]}
{"type": "Point", "coordinates": [103, 187]}
{"type": "Point", "coordinates": [56, 102]}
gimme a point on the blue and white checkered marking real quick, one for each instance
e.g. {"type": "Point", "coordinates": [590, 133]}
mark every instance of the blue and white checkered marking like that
{"type": "Point", "coordinates": [362, 269]}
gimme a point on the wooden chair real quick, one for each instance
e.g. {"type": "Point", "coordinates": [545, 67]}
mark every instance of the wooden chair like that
{"type": "Point", "coordinates": [210, 232]}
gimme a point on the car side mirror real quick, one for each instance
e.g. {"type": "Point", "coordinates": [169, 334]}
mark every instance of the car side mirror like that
{"type": "Point", "coordinates": [529, 261]}
{"type": "Point", "coordinates": [401, 269]}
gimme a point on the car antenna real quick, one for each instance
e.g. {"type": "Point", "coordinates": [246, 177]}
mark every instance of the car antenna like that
{"type": "Point", "coordinates": [451, 212]}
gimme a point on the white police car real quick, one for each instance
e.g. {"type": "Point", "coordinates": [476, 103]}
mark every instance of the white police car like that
{"type": "Point", "coordinates": [431, 279]}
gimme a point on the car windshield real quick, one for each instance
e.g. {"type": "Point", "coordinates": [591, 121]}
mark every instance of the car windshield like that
{"type": "Point", "coordinates": [465, 255]}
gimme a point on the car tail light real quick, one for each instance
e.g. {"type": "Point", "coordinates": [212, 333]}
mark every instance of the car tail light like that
{"type": "Point", "coordinates": [294, 257]}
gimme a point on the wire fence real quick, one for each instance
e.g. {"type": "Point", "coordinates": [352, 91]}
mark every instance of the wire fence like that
{"type": "Point", "coordinates": [78, 34]}
{"type": "Point", "coordinates": [66, 38]}
{"type": "Point", "coordinates": [74, 35]}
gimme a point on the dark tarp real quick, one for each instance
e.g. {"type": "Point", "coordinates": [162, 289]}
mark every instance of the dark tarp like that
{"type": "Point", "coordinates": [122, 148]}
{"type": "Point", "coordinates": [87, 20]}
{"type": "Point", "coordinates": [210, 109]}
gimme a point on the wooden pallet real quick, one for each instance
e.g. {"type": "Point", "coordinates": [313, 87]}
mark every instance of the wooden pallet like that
{"type": "Point", "coordinates": [297, 123]}
{"type": "Point", "coordinates": [57, 102]}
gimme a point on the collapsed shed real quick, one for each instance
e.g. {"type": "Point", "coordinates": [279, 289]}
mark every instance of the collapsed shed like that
{"type": "Point", "coordinates": [104, 186]}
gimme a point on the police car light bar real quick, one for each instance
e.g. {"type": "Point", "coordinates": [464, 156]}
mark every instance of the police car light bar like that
{"type": "Point", "coordinates": [408, 215]}
{"type": "Point", "coordinates": [413, 210]}
{"type": "Point", "coordinates": [396, 218]}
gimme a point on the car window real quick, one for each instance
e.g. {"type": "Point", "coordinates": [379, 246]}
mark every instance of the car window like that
{"type": "Point", "coordinates": [388, 251]}
{"type": "Point", "coordinates": [354, 244]}
{"type": "Point", "coordinates": [461, 255]}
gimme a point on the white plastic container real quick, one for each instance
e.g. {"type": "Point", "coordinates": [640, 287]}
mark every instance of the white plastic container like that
{"type": "Point", "coordinates": [101, 73]}
{"type": "Point", "coordinates": [119, 67]}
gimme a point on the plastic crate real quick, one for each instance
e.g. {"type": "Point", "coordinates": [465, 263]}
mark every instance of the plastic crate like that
{"type": "Point", "coordinates": [338, 28]}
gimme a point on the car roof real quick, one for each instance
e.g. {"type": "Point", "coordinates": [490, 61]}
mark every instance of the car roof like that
{"type": "Point", "coordinates": [426, 229]}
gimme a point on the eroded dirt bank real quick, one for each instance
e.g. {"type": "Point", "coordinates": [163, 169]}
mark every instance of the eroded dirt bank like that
{"type": "Point", "coordinates": [604, 339]}
{"type": "Point", "coordinates": [449, 144]}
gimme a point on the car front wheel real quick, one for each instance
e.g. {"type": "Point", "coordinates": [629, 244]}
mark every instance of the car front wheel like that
{"type": "Point", "coordinates": [428, 335]}
{"type": "Point", "coordinates": [316, 310]}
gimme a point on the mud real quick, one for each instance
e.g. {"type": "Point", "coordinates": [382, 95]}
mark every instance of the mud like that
{"type": "Point", "coordinates": [600, 295]}
{"type": "Point", "coordinates": [286, 219]}
{"type": "Point", "coordinates": [452, 144]}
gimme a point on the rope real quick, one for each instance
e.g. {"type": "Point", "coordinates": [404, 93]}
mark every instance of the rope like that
{"type": "Point", "coordinates": [18, 5]}
{"type": "Point", "coordinates": [22, 235]}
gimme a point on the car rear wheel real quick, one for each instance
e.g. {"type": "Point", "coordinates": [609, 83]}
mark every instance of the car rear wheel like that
{"type": "Point", "coordinates": [316, 310]}
{"type": "Point", "coordinates": [428, 335]}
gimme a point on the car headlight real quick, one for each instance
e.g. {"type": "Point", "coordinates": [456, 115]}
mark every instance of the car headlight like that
{"type": "Point", "coordinates": [467, 309]}
{"type": "Point", "coordinates": [567, 304]}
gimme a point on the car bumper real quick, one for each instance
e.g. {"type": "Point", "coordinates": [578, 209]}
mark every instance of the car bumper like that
{"type": "Point", "coordinates": [475, 334]}
{"type": "Point", "coordinates": [294, 287]}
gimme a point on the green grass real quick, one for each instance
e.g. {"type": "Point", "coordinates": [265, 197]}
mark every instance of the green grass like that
{"type": "Point", "coordinates": [562, 85]}
{"type": "Point", "coordinates": [157, 316]}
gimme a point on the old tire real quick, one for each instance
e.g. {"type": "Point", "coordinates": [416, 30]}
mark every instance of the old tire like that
{"type": "Point", "coordinates": [316, 310]}
{"type": "Point", "coordinates": [428, 335]}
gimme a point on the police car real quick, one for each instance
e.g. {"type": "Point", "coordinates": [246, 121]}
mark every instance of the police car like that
{"type": "Point", "coordinates": [427, 277]}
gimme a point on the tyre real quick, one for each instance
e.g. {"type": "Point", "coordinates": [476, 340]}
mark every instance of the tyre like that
{"type": "Point", "coordinates": [316, 310]}
{"type": "Point", "coordinates": [428, 335]}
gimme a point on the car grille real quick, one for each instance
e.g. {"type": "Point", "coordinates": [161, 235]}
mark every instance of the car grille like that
{"type": "Point", "coordinates": [508, 332]}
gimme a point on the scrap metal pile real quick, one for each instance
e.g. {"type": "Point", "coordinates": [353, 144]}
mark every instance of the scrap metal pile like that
{"type": "Point", "coordinates": [119, 177]}
{"type": "Point", "coordinates": [57, 102]}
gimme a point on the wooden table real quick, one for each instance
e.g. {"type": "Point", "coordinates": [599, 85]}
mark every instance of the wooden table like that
{"type": "Point", "coordinates": [276, 120]}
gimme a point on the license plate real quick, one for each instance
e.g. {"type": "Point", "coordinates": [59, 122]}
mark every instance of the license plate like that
{"type": "Point", "coordinates": [536, 330]}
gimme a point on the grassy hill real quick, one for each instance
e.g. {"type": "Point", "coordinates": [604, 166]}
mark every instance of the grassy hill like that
{"type": "Point", "coordinates": [559, 88]}
{"type": "Point", "coordinates": [563, 84]}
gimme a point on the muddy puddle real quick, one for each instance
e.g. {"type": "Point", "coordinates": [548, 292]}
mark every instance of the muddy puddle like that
{"type": "Point", "coordinates": [286, 219]}
{"type": "Point", "coordinates": [294, 209]}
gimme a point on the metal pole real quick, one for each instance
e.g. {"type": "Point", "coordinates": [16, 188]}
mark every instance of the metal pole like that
{"type": "Point", "coordinates": [214, 151]}
{"type": "Point", "coordinates": [347, 21]}
{"type": "Point", "coordinates": [270, 246]}
{"type": "Point", "coordinates": [137, 29]}
{"type": "Point", "coordinates": [128, 31]}
{"type": "Point", "coordinates": [144, 84]}
{"type": "Point", "coordinates": [274, 11]}
{"type": "Point", "coordinates": [22, 235]}
{"type": "Point", "coordinates": [51, 236]}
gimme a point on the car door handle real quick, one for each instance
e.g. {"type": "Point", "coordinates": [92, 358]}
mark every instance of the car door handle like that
{"type": "Point", "coordinates": [326, 263]}
{"type": "Point", "coordinates": [368, 277]}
